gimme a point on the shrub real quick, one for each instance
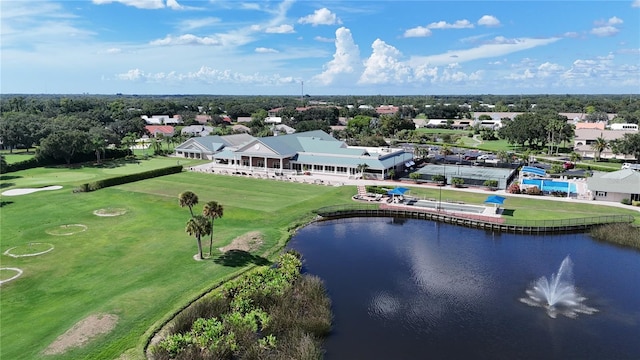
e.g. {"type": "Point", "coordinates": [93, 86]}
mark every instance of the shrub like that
{"type": "Point", "coordinates": [415, 176]}
{"type": "Point", "coordinates": [635, 203]}
{"type": "Point", "coordinates": [438, 178]}
{"type": "Point", "coordinates": [273, 312]}
{"type": "Point", "coordinates": [534, 190]}
{"type": "Point", "coordinates": [457, 182]}
{"type": "Point", "coordinates": [514, 188]}
{"type": "Point", "coordinates": [626, 201]}
{"type": "Point", "coordinates": [490, 183]}
{"type": "Point", "coordinates": [119, 180]}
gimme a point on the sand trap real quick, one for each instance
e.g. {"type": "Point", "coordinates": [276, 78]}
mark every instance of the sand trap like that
{"type": "Point", "coordinates": [18, 273]}
{"type": "Point", "coordinates": [24, 191]}
{"type": "Point", "coordinates": [82, 332]}
{"type": "Point", "coordinates": [64, 230]}
{"type": "Point", "coordinates": [249, 242]}
{"type": "Point", "coordinates": [110, 212]}
{"type": "Point", "coordinates": [48, 247]}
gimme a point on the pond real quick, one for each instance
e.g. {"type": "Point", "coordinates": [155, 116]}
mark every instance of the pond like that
{"type": "Point", "coordinates": [414, 289]}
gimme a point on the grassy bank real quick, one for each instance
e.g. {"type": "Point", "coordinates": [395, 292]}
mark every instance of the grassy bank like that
{"type": "Point", "coordinates": [139, 266]}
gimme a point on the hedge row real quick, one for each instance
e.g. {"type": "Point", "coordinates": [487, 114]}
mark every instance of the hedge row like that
{"type": "Point", "coordinates": [119, 180]}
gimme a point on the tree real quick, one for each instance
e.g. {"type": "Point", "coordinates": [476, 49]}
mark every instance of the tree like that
{"type": "Point", "coordinates": [361, 168]}
{"type": "Point", "coordinates": [415, 176]}
{"type": "Point", "coordinates": [574, 157]}
{"type": "Point", "coordinates": [198, 226]}
{"type": "Point", "coordinates": [599, 145]}
{"type": "Point", "coordinates": [3, 164]}
{"type": "Point", "coordinates": [628, 145]}
{"type": "Point", "coordinates": [188, 199]}
{"type": "Point", "coordinates": [65, 144]}
{"type": "Point", "coordinates": [212, 210]}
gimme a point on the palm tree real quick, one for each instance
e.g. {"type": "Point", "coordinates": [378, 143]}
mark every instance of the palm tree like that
{"type": "Point", "coordinates": [188, 199]}
{"type": "Point", "coordinates": [212, 210]}
{"type": "Point", "coordinates": [599, 145]}
{"type": "Point", "coordinates": [198, 226]}
{"type": "Point", "coordinates": [361, 168]}
{"type": "Point", "coordinates": [574, 157]}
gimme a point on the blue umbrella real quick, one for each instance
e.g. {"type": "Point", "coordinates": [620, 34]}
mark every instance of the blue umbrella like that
{"type": "Point", "coordinates": [495, 199]}
{"type": "Point", "coordinates": [397, 191]}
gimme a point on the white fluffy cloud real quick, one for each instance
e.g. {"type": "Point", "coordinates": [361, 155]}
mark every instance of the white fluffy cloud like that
{"type": "Point", "coordinates": [280, 29]}
{"type": "Point", "coordinates": [264, 50]}
{"type": "Point", "coordinates": [384, 65]}
{"type": "Point", "coordinates": [459, 24]}
{"type": "Point", "coordinates": [607, 28]}
{"type": "Point", "coordinates": [635, 3]}
{"type": "Point", "coordinates": [320, 17]}
{"type": "Point", "coordinates": [186, 39]}
{"type": "Point", "coordinates": [419, 31]}
{"type": "Point", "coordinates": [141, 4]}
{"type": "Point", "coordinates": [346, 59]}
{"type": "Point", "coordinates": [489, 20]}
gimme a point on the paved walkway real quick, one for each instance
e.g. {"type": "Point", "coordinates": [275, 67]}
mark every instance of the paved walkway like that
{"type": "Point", "coordinates": [335, 180]}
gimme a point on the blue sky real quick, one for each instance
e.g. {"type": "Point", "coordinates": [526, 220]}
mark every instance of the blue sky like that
{"type": "Point", "coordinates": [352, 47]}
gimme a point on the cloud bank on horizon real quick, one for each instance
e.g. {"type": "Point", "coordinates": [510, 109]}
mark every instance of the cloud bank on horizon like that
{"type": "Point", "coordinates": [324, 48]}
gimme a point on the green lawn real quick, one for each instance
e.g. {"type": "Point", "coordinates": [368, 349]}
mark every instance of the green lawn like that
{"type": "Point", "coordinates": [139, 266]}
{"type": "Point", "coordinates": [17, 155]}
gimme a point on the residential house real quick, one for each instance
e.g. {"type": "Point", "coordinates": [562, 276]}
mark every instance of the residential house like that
{"type": "Point", "coordinates": [387, 110]}
{"type": "Point", "coordinates": [585, 138]}
{"type": "Point", "coordinates": [164, 130]}
{"type": "Point", "coordinates": [196, 130]}
{"type": "Point", "coordinates": [587, 125]}
{"type": "Point", "coordinates": [203, 119]}
{"type": "Point", "coordinates": [313, 152]}
{"type": "Point", "coordinates": [162, 119]}
{"type": "Point", "coordinates": [615, 186]}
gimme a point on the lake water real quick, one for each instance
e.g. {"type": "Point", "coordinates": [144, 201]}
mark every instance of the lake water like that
{"type": "Point", "coordinates": [412, 289]}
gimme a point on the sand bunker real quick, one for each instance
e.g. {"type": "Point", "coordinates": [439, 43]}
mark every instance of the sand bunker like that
{"type": "Point", "coordinates": [32, 249]}
{"type": "Point", "coordinates": [110, 212]}
{"type": "Point", "coordinates": [64, 230]}
{"type": "Point", "coordinates": [24, 191]}
{"type": "Point", "coordinates": [249, 242]}
{"type": "Point", "coordinates": [82, 332]}
{"type": "Point", "coordinates": [16, 270]}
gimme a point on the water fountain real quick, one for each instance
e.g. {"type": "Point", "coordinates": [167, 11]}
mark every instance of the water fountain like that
{"type": "Point", "coordinates": [558, 295]}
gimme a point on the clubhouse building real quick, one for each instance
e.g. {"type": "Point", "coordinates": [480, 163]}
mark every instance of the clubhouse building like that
{"type": "Point", "coordinates": [311, 152]}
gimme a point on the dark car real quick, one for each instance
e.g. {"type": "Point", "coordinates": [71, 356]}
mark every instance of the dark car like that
{"type": "Point", "coordinates": [568, 165]}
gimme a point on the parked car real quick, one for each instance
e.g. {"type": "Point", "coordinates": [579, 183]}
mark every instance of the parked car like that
{"type": "Point", "coordinates": [568, 165]}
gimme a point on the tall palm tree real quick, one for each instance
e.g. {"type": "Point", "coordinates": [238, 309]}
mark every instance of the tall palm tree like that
{"type": "Point", "coordinates": [188, 199]}
{"type": "Point", "coordinates": [198, 226]}
{"type": "Point", "coordinates": [600, 145]}
{"type": "Point", "coordinates": [212, 210]}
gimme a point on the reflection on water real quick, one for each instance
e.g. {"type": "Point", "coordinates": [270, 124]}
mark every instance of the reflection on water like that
{"type": "Point", "coordinates": [405, 289]}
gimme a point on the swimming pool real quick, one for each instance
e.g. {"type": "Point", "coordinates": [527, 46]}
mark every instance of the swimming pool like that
{"type": "Point", "coordinates": [551, 185]}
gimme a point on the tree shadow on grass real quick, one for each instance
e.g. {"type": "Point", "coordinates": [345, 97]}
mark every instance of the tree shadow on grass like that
{"type": "Point", "coordinates": [237, 258]}
{"type": "Point", "coordinates": [5, 203]}
{"type": "Point", "coordinates": [9, 177]}
{"type": "Point", "coordinates": [6, 185]}
{"type": "Point", "coordinates": [507, 212]}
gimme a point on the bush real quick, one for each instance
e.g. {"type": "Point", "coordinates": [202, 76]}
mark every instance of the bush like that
{"type": "Point", "coordinates": [274, 312]}
{"type": "Point", "coordinates": [415, 176]}
{"type": "Point", "coordinates": [626, 201]}
{"type": "Point", "coordinates": [119, 180]}
{"type": "Point", "coordinates": [457, 182]}
{"type": "Point", "coordinates": [514, 188]}
{"type": "Point", "coordinates": [438, 178]}
{"type": "Point", "coordinates": [635, 203]}
{"type": "Point", "coordinates": [490, 183]}
{"type": "Point", "coordinates": [534, 190]}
